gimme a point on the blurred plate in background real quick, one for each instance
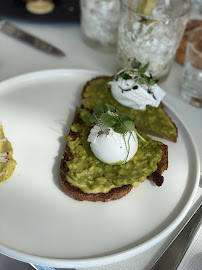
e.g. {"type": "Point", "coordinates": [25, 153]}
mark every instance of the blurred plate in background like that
{"type": "Point", "coordinates": [64, 11]}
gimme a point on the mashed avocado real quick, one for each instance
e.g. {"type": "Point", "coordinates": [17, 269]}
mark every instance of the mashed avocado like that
{"type": "Point", "coordinates": [6, 168]}
{"type": "Point", "coordinates": [91, 175]}
{"type": "Point", "coordinates": [154, 119]}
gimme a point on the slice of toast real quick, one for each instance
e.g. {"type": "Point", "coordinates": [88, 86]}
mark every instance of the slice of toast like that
{"type": "Point", "coordinates": [114, 193]}
{"type": "Point", "coordinates": [153, 121]}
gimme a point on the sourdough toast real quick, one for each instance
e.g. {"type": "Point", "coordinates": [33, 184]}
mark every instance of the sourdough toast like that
{"type": "Point", "coordinates": [114, 193]}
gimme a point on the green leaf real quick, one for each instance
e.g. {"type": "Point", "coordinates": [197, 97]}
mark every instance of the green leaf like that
{"type": "Point", "coordinates": [125, 76]}
{"type": "Point", "coordinates": [109, 108]}
{"type": "Point", "coordinates": [124, 117]}
{"type": "Point", "coordinates": [144, 68]}
{"type": "Point", "coordinates": [98, 109]}
{"type": "Point", "coordinates": [92, 119]}
{"type": "Point", "coordinates": [129, 125]}
{"type": "Point", "coordinates": [120, 128]}
{"type": "Point", "coordinates": [108, 120]}
{"type": "Point", "coordinates": [143, 80]}
{"type": "Point", "coordinates": [152, 81]}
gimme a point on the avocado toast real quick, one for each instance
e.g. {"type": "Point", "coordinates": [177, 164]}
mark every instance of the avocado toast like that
{"type": "Point", "coordinates": [153, 121]}
{"type": "Point", "coordinates": [93, 180]}
{"type": "Point", "coordinates": [84, 177]}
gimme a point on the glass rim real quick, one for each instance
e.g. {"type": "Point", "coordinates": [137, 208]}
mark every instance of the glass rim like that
{"type": "Point", "coordinates": [190, 42]}
{"type": "Point", "coordinates": [157, 18]}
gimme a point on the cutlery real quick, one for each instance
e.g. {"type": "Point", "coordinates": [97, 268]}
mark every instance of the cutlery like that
{"type": "Point", "coordinates": [174, 253]}
{"type": "Point", "coordinates": [17, 33]}
{"type": "Point", "coordinates": [38, 267]}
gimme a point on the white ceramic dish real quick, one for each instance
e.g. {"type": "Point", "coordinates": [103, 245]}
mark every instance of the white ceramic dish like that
{"type": "Point", "coordinates": [43, 225]}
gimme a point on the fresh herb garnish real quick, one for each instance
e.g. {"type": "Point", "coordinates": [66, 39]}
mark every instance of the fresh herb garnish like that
{"type": "Point", "coordinates": [106, 117]}
{"type": "Point", "coordinates": [139, 75]}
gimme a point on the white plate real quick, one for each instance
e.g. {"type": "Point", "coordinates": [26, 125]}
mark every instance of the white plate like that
{"type": "Point", "coordinates": [43, 225]}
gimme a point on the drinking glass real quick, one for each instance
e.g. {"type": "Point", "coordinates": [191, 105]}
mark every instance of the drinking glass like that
{"type": "Point", "coordinates": [99, 23]}
{"type": "Point", "coordinates": [150, 31]}
{"type": "Point", "coordinates": [192, 73]}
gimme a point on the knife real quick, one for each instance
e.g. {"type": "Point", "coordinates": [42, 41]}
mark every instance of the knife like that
{"type": "Point", "coordinates": [15, 32]}
{"type": "Point", "coordinates": [38, 267]}
{"type": "Point", "coordinates": [172, 256]}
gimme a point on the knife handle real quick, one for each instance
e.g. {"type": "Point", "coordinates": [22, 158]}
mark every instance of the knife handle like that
{"type": "Point", "coordinates": [172, 256]}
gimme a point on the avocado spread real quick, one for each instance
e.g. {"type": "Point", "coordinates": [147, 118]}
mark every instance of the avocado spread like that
{"type": "Point", "coordinates": [154, 119]}
{"type": "Point", "coordinates": [7, 163]}
{"type": "Point", "coordinates": [91, 175]}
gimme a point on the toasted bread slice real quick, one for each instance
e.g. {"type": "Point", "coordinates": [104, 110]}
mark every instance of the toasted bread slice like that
{"type": "Point", "coordinates": [113, 194]}
{"type": "Point", "coordinates": [101, 94]}
{"type": "Point", "coordinates": [153, 121]}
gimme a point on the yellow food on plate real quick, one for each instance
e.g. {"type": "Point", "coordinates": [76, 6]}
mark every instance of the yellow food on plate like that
{"type": "Point", "coordinates": [7, 163]}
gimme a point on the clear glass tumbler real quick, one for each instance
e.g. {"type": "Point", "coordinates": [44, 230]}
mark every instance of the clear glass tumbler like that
{"type": "Point", "coordinates": [150, 31]}
{"type": "Point", "coordinates": [99, 23]}
{"type": "Point", "coordinates": [192, 74]}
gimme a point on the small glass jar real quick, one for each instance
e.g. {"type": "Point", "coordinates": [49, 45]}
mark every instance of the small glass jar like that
{"type": "Point", "coordinates": [99, 23]}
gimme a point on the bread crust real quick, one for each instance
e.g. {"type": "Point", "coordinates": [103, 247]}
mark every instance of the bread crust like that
{"type": "Point", "coordinates": [77, 194]}
{"type": "Point", "coordinates": [162, 165]}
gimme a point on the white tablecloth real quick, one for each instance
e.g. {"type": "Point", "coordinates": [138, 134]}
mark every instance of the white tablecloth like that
{"type": "Point", "coordinates": [17, 58]}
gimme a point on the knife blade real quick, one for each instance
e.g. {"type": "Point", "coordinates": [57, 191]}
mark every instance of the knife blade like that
{"type": "Point", "coordinates": [17, 33]}
{"type": "Point", "coordinates": [38, 267]}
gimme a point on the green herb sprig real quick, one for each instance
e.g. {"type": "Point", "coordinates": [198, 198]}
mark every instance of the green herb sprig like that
{"type": "Point", "coordinates": [137, 74]}
{"type": "Point", "coordinates": [107, 115]}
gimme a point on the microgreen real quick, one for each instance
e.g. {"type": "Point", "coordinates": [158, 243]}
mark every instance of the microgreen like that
{"type": "Point", "coordinates": [139, 74]}
{"type": "Point", "coordinates": [129, 125]}
{"type": "Point", "coordinates": [107, 115]}
{"type": "Point", "coordinates": [125, 76]}
{"type": "Point", "coordinates": [124, 117]}
{"type": "Point", "coordinates": [143, 69]}
{"type": "Point", "coordinates": [110, 108]}
{"type": "Point", "coordinates": [120, 128]}
{"type": "Point", "coordinates": [98, 109]}
{"type": "Point", "coordinates": [92, 119]}
{"type": "Point", "coordinates": [108, 119]}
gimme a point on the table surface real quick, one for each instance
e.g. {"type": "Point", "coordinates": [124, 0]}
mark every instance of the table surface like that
{"type": "Point", "coordinates": [17, 58]}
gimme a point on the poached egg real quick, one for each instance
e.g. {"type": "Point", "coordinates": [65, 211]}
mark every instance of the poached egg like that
{"type": "Point", "coordinates": [112, 147]}
{"type": "Point", "coordinates": [130, 93]}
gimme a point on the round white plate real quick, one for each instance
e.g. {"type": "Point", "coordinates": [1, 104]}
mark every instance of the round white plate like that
{"type": "Point", "coordinates": [43, 225]}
